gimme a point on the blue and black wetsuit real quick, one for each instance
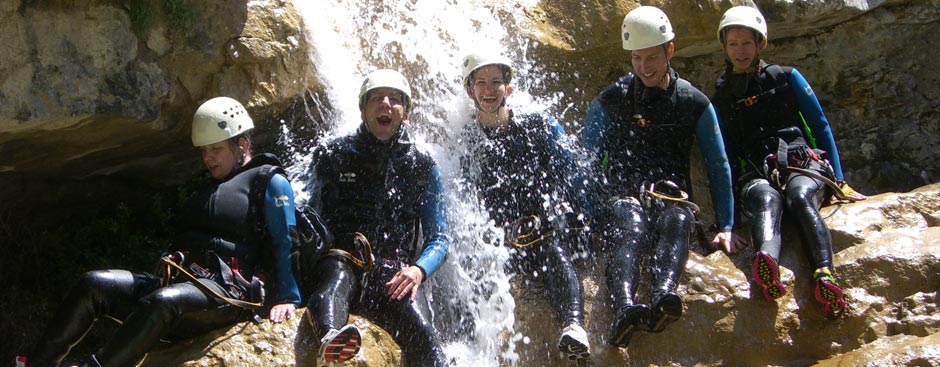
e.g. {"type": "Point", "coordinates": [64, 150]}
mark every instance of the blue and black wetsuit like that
{"type": "Point", "coordinates": [756, 111]}
{"type": "Point", "coordinates": [521, 170]}
{"type": "Point", "coordinates": [387, 191]}
{"type": "Point", "coordinates": [636, 135]}
{"type": "Point", "coordinates": [218, 230]}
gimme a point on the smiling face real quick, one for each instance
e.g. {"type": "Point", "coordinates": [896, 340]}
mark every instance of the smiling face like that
{"type": "Point", "coordinates": [219, 158]}
{"type": "Point", "coordinates": [741, 49]}
{"type": "Point", "coordinates": [652, 65]}
{"type": "Point", "coordinates": [384, 112]}
{"type": "Point", "coordinates": [489, 88]}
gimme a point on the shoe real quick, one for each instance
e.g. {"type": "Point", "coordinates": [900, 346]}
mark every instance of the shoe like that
{"type": "Point", "coordinates": [629, 320]}
{"type": "Point", "coordinates": [20, 361]}
{"type": "Point", "coordinates": [766, 274]}
{"type": "Point", "coordinates": [574, 342]}
{"type": "Point", "coordinates": [829, 293]}
{"type": "Point", "coordinates": [339, 346]}
{"type": "Point", "coordinates": [667, 308]}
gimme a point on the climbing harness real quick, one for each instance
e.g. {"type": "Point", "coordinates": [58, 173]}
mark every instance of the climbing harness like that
{"type": "Point", "coordinates": [525, 231]}
{"type": "Point", "coordinates": [362, 259]}
{"type": "Point", "coordinates": [173, 267]}
{"type": "Point", "coordinates": [665, 190]}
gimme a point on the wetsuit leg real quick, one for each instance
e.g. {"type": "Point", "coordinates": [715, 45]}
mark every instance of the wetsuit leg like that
{"type": "Point", "coordinates": [563, 281]}
{"type": "Point", "coordinates": [419, 342]}
{"type": "Point", "coordinates": [98, 293]}
{"type": "Point", "coordinates": [628, 237]}
{"type": "Point", "coordinates": [328, 306]}
{"type": "Point", "coordinates": [674, 226]}
{"type": "Point", "coordinates": [764, 204]}
{"type": "Point", "coordinates": [804, 195]}
{"type": "Point", "coordinates": [160, 312]}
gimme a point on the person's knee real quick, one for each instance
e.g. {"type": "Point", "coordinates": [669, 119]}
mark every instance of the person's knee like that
{"type": "Point", "coordinates": [164, 303]}
{"type": "Point", "coordinates": [627, 215]}
{"type": "Point", "coordinates": [800, 196]}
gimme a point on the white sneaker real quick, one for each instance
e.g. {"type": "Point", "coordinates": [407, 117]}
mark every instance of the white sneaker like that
{"type": "Point", "coordinates": [339, 346]}
{"type": "Point", "coordinates": [574, 342]}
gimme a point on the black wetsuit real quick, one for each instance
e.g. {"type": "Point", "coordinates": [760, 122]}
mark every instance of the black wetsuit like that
{"type": "Point", "coordinates": [640, 135]}
{"type": "Point", "coordinates": [523, 169]}
{"type": "Point", "coordinates": [219, 229]}
{"type": "Point", "coordinates": [387, 191]}
{"type": "Point", "coordinates": [756, 111]}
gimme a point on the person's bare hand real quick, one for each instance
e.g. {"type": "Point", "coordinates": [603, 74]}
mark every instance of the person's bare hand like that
{"type": "Point", "coordinates": [405, 283]}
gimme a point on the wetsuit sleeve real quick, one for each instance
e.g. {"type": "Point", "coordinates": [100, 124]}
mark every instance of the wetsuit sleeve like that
{"type": "Point", "coordinates": [716, 166]}
{"type": "Point", "coordinates": [433, 213]}
{"type": "Point", "coordinates": [562, 153]}
{"type": "Point", "coordinates": [279, 217]}
{"type": "Point", "coordinates": [816, 120]}
{"type": "Point", "coordinates": [592, 136]}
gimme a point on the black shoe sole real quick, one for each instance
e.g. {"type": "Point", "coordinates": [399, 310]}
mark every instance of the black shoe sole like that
{"type": "Point", "coordinates": [666, 311]}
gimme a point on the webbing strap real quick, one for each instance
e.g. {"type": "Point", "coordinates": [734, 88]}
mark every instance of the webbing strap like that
{"type": "Point", "coordinates": [206, 290]}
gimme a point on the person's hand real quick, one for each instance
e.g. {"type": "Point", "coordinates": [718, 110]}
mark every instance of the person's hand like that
{"type": "Point", "coordinates": [281, 312]}
{"type": "Point", "coordinates": [850, 193]}
{"type": "Point", "coordinates": [405, 283]}
{"type": "Point", "coordinates": [729, 242]}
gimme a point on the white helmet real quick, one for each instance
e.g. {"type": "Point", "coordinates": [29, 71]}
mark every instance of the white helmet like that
{"type": "Point", "coordinates": [385, 78]}
{"type": "Point", "coordinates": [645, 27]}
{"type": "Point", "coordinates": [219, 119]}
{"type": "Point", "coordinates": [743, 16]}
{"type": "Point", "coordinates": [476, 60]}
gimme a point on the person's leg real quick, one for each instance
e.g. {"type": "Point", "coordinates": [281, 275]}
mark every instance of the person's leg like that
{"type": "Point", "coordinates": [328, 310]}
{"type": "Point", "coordinates": [628, 238]}
{"type": "Point", "coordinates": [566, 296]}
{"type": "Point", "coordinates": [419, 342]}
{"type": "Point", "coordinates": [160, 312]}
{"type": "Point", "coordinates": [674, 226]}
{"type": "Point", "coordinates": [764, 204]}
{"type": "Point", "coordinates": [804, 195]}
{"type": "Point", "coordinates": [98, 293]}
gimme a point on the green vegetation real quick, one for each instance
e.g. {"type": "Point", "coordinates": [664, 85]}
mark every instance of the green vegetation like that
{"type": "Point", "coordinates": [180, 16]}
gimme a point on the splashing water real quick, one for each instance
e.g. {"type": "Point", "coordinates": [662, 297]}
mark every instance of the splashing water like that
{"type": "Point", "coordinates": [468, 298]}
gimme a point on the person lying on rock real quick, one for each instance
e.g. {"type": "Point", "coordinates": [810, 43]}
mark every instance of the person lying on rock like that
{"type": "Point", "coordinates": [638, 134]}
{"type": "Point", "coordinates": [208, 272]}
{"type": "Point", "coordinates": [522, 165]}
{"type": "Point", "coordinates": [375, 190]}
{"type": "Point", "coordinates": [781, 142]}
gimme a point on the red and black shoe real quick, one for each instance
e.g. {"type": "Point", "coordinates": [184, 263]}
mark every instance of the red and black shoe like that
{"type": "Point", "coordinates": [766, 274]}
{"type": "Point", "coordinates": [339, 346]}
{"type": "Point", "coordinates": [829, 293]}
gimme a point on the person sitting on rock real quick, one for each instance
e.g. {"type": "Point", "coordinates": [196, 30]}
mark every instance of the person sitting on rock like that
{"type": "Point", "coordinates": [375, 190]}
{"type": "Point", "coordinates": [209, 279]}
{"type": "Point", "coordinates": [638, 134]}
{"type": "Point", "coordinates": [522, 165]}
{"type": "Point", "coordinates": [775, 129]}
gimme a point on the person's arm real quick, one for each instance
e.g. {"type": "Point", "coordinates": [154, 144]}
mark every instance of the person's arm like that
{"type": "Point", "coordinates": [433, 214]}
{"type": "Point", "coordinates": [813, 114]}
{"type": "Point", "coordinates": [593, 135]}
{"type": "Point", "coordinates": [562, 156]}
{"type": "Point", "coordinates": [716, 166]}
{"type": "Point", "coordinates": [278, 218]}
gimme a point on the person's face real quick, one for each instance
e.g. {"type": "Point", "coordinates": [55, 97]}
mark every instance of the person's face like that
{"type": "Point", "coordinates": [651, 64]}
{"type": "Point", "coordinates": [741, 49]}
{"type": "Point", "coordinates": [384, 112]}
{"type": "Point", "coordinates": [219, 159]}
{"type": "Point", "coordinates": [489, 88]}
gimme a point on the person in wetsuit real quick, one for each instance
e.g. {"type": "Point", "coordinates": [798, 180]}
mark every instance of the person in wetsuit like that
{"type": "Point", "coordinates": [638, 134]}
{"type": "Point", "coordinates": [223, 243]}
{"type": "Point", "coordinates": [522, 165]}
{"type": "Point", "coordinates": [784, 153]}
{"type": "Point", "coordinates": [375, 190]}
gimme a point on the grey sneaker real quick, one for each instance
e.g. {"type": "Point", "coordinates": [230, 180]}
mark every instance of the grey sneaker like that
{"type": "Point", "coordinates": [574, 342]}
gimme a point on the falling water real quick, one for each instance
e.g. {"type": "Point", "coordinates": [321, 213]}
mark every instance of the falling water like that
{"type": "Point", "coordinates": [426, 40]}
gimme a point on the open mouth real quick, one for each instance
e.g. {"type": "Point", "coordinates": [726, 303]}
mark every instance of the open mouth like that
{"type": "Point", "coordinates": [650, 75]}
{"type": "Point", "coordinates": [384, 120]}
{"type": "Point", "coordinates": [489, 99]}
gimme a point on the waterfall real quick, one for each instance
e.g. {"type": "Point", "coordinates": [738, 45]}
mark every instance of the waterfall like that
{"type": "Point", "coordinates": [468, 298]}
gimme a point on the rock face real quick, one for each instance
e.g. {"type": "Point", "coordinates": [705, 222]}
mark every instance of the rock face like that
{"type": "Point", "coordinates": [887, 257]}
{"type": "Point", "coordinates": [109, 87]}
